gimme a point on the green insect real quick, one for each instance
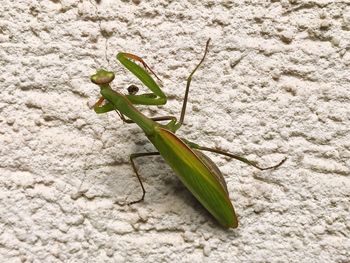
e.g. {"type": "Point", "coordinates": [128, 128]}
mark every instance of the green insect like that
{"type": "Point", "coordinates": [195, 169]}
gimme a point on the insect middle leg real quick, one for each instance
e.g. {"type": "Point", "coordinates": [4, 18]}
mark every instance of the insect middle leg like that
{"type": "Point", "coordinates": [132, 157]}
{"type": "Point", "coordinates": [188, 83]}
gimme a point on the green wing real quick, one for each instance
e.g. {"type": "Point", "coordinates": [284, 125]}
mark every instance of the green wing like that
{"type": "Point", "coordinates": [196, 174]}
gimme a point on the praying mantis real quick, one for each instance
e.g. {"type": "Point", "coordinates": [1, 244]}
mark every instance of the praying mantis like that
{"type": "Point", "coordinates": [195, 169]}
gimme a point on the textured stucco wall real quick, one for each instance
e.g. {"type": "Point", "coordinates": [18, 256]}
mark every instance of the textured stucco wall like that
{"type": "Point", "coordinates": [275, 83]}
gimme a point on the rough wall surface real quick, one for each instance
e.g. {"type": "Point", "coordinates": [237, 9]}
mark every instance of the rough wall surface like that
{"type": "Point", "coordinates": [275, 84]}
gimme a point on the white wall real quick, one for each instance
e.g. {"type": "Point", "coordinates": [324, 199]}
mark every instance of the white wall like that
{"type": "Point", "coordinates": [275, 84]}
